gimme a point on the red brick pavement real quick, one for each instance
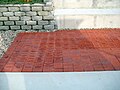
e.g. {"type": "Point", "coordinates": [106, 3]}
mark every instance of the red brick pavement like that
{"type": "Point", "coordinates": [63, 51]}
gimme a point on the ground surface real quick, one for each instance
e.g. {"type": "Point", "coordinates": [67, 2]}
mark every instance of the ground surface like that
{"type": "Point", "coordinates": [63, 51]}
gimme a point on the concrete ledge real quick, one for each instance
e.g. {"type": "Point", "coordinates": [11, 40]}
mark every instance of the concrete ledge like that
{"type": "Point", "coordinates": [107, 80]}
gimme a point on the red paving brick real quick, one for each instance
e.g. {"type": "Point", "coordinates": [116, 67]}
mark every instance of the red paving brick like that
{"type": "Point", "coordinates": [63, 51]}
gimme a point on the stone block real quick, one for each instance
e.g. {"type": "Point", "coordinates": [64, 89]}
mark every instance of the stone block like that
{"type": "Point", "coordinates": [0, 14]}
{"type": "Point", "coordinates": [47, 8]}
{"type": "Point", "coordinates": [1, 23]}
{"type": "Point", "coordinates": [19, 13]}
{"type": "Point", "coordinates": [26, 27]}
{"type": "Point", "coordinates": [3, 9]}
{"type": "Point", "coordinates": [49, 27]}
{"type": "Point", "coordinates": [36, 8]}
{"type": "Point", "coordinates": [43, 22]}
{"type": "Point", "coordinates": [37, 27]}
{"type": "Point", "coordinates": [3, 18]}
{"type": "Point", "coordinates": [9, 22]}
{"type": "Point", "coordinates": [24, 8]}
{"type": "Point", "coordinates": [31, 22]}
{"type": "Point", "coordinates": [14, 27]}
{"type": "Point", "coordinates": [53, 22]}
{"type": "Point", "coordinates": [49, 17]}
{"type": "Point", "coordinates": [37, 18]}
{"type": "Point", "coordinates": [8, 14]}
{"type": "Point", "coordinates": [11, 9]}
{"type": "Point", "coordinates": [14, 18]}
{"type": "Point", "coordinates": [25, 18]}
{"type": "Point", "coordinates": [43, 13]}
{"type": "Point", "coordinates": [4, 27]}
{"type": "Point", "coordinates": [20, 22]}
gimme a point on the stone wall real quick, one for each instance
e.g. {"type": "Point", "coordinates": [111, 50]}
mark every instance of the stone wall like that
{"type": "Point", "coordinates": [27, 17]}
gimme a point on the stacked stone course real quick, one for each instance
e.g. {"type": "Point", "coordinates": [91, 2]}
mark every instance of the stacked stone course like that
{"type": "Point", "coordinates": [27, 17]}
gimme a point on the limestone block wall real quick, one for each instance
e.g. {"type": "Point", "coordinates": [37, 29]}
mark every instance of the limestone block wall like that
{"type": "Point", "coordinates": [27, 17]}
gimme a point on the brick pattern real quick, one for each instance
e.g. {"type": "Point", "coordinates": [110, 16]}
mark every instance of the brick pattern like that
{"type": "Point", "coordinates": [26, 14]}
{"type": "Point", "coordinates": [63, 51]}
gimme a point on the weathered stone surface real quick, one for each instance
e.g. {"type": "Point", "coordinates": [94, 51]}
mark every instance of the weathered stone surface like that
{"type": "Point", "coordinates": [31, 22]}
{"type": "Point", "coordinates": [13, 18]}
{"type": "Point", "coordinates": [31, 13]}
{"type": "Point", "coordinates": [20, 22]}
{"type": "Point", "coordinates": [4, 27]}
{"type": "Point", "coordinates": [8, 13]}
{"type": "Point", "coordinates": [43, 22]}
{"type": "Point", "coordinates": [49, 27]}
{"type": "Point", "coordinates": [36, 8]}
{"type": "Point", "coordinates": [19, 13]}
{"type": "Point", "coordinates": [13, 8]}
{"type": "Point", "coordinates": [1, 23]}
{"type": "Point", "coordinates": [26, 14]}
{"type": "Point", "coordinates": [9, 22]}
{"type": "Point", "coordinates": [25, 9]}
{"type": "Point", "coordinates": [36, 18]}
{"type": "Point", "coordinates": [3, 9]}
{"type": "Point", "coordinates": [15, 27]}
{"type": "Point", "coordinates": [47, 8]}
{"type": "Point", "coordinates": [3, 18]}
{"type": "Point", "coordinates": [43, 13]}
{"type": "Point", "coordinates": [0, 14]}
{"type": "Point", "coordinates": [53, 22]}
{"type": "Point", "coordinates": [49, 17]}
{"type": "Point", "coordinates": [26, 27]}
{"type": "Point", "coordinates": [25, 18]}
{"type": "Point", "coordinates": [37, 27]}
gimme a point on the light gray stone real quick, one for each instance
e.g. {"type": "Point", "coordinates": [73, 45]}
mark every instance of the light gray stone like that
{"type": "Point", "coordinates": [53, 22]}
{"type": "Point", "coordinates": [13, 9]}
{"type": "Point", "coordinates": [49, 17]}
{"type": "Point", "coordinates": [36, 8]}
{"type": "Point", "coordinates": [31, 22]}
{"type": "Point", "coordinates": [43, 13]}
{"type": "Point", "coordinates": [49, 27]}
{"type": "Point", "coordinates": [26, 27]}
{"type": "Point", "coordinates": [20, 22]}
{"type": "Point", "coordinates": [37, 5]}
{"type": "Point", "coordinates": [13, 18]}
{"type": "Point", "coordinates": [3, 9]}
{"type": "Point", "coordinates": [3, 18]}
{"type": "Point", "coordinates": [19, 13]}
{"type": "Point", "coordinates": [47, 8]}
{"type": "Point", "coordinates": [8, 13]}
{"type": "Point", "coordinates": [25, 9]}
{"type": "Point", "coordinates": [15, 27]}
{"type": "Point", "coordinates": [9, 22]}
{"type": "Point", "coordinates": [37, 27]}
{"type": "Point", "coordinates": [1, 23]}
{"type": "Point", "coordinates": [42, 22]}
{"type": "Point", "coordinates": [37, 18]}
{"type": "Point", "coordinates": [25, 18]}
{"type": "Point", "coordinates": [0, 14]}
{"type": "Point", "coordinates": [4, 27]}
{"type": "Point", "coordinates": [31, 13]}
{"type": "Point", "coordinates": [49, 3]}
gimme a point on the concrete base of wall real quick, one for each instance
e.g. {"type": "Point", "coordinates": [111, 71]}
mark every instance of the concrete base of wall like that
{"type": "Point", "coordinates": [88, 21]}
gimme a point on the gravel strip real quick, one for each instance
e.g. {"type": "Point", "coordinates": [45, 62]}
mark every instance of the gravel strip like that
{"type": "Point", "coordinates": [7, 37]}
